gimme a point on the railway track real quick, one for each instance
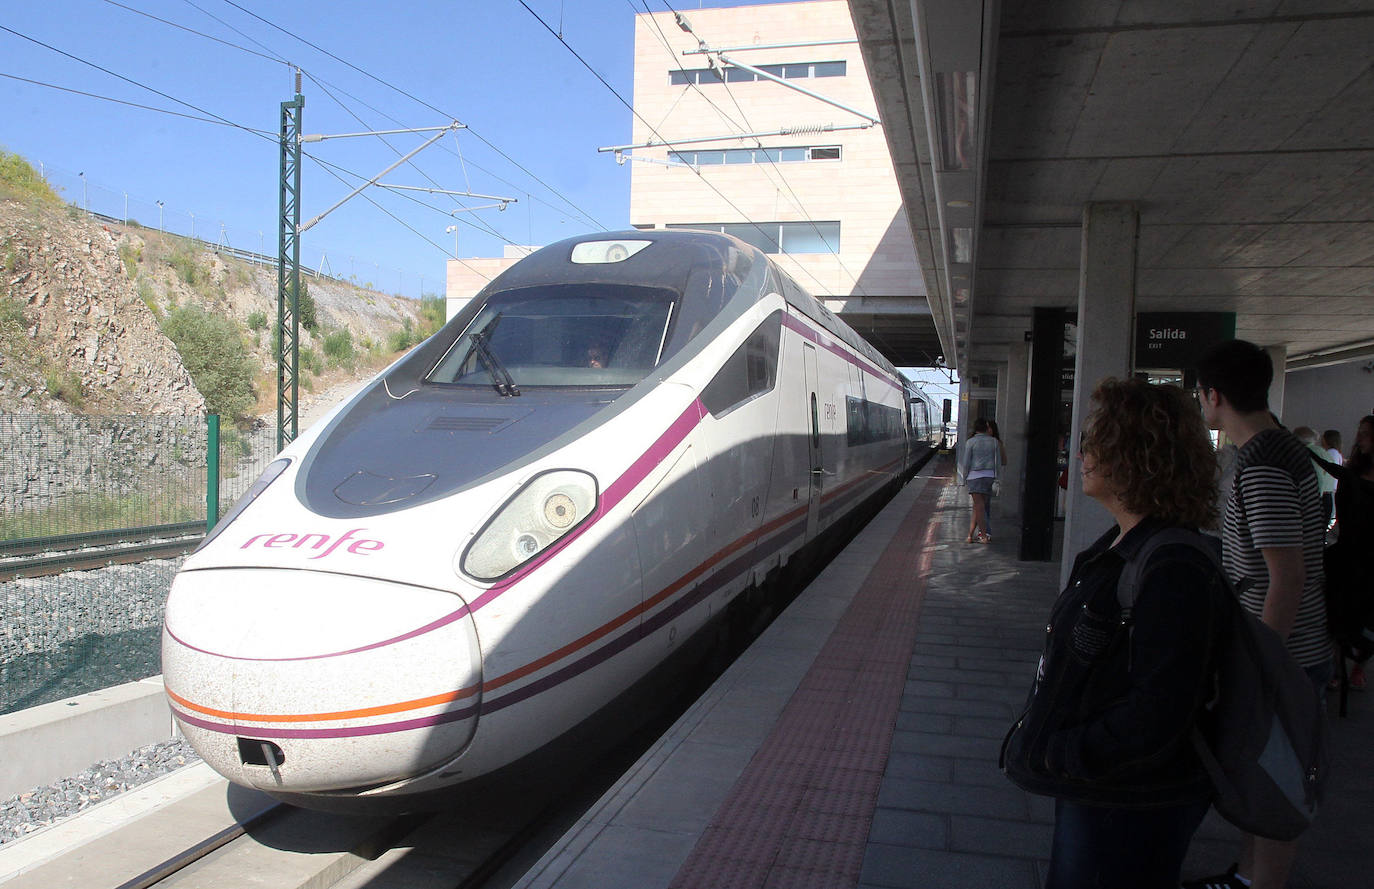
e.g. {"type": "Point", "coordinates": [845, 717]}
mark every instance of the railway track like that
{"type": "Point", "coordinates": [44, 556]}
{"type": "Point", "coordinates": [230, 837]}
{"type": "Point", "coordinates": [182, 860]}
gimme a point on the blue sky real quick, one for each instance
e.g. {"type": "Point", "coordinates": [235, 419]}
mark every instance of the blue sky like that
{"type": "Point", "coordinates": [536, 117]}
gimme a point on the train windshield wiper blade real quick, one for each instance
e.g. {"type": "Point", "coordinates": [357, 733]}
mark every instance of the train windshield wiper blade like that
{"type": "Point", "coordinates": [500, 377]}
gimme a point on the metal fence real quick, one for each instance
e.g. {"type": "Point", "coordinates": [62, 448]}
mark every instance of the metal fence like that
{"type": "Point", "coordinates": [250, 241]}
{"type": "Point", "coordinates": [62, 476]}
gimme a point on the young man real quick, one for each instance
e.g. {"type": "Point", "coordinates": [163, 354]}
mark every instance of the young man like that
{"type": "Point", "coordinates": [1272, 538]}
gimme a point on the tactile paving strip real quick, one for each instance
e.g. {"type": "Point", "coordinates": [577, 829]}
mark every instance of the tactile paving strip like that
{"type": "Point", "coordinates": [799, 816]}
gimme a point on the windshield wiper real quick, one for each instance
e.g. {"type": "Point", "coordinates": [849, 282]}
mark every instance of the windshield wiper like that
{"type": "Point", "coordinates": [500, 377]}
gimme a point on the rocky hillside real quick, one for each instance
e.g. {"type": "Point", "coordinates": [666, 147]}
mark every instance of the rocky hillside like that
{"type": "Point", "coordinates": [86, 309]}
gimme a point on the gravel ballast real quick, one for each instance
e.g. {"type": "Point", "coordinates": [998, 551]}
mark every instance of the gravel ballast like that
{"type": "Point", "coordinates": [35, 809]}
{"type": "Point", "coordinates": [72, 634]}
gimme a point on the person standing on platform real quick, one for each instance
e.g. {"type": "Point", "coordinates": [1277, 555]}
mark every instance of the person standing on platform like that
{"type": "Point", "coordinates": [979, 466]}
{"type": "Point", "coordinates": [1325, 481]}
{"type": "Point", "coordinates": [1331, 442]}
{"type": "Point", "coordinates": [1002, 451]}
{"type": "Point", "coordinates": [1116, 697]}
{"type": "Point", "coordinates": [1350, 560]}
{"type": "Point", "coordinates": [1272, 540]}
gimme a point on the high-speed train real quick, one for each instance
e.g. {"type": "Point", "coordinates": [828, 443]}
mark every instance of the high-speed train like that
{"type": "Point", "coordinates": [519, 519]}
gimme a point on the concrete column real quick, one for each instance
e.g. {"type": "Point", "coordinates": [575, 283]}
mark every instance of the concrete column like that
{"type": "Point", "coordinates": [965, 423]}
{"type": "Point", "coordinates": [1278, 355]}
{"type": "Point", "coordinates": [1012, 423]}
{"type": "Point", "coordinates": [1106, 338]}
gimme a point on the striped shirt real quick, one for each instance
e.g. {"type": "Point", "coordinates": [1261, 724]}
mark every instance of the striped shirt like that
{"type": "Point", "coordinates": [1275, 502]}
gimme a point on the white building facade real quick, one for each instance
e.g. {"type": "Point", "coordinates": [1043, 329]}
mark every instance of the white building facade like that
{"type": "Point", "coordinates": [813, 180]}
{"type": "Point", "coordinates": [787, 156]}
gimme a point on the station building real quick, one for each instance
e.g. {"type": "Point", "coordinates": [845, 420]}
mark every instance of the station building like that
{"type": "Point", "coordinates": [772, 138]}
{"type": "Point", "coordinates": [1052, 195]}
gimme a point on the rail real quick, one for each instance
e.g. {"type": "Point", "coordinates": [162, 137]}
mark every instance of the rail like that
{"type": "Point", "coordinates": [46, 556]}
{"type": "Point", "coordinates": [182, 860]}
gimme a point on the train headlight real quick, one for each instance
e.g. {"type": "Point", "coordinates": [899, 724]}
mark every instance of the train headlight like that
{"type": "Point", "coordinates": [542, 512]}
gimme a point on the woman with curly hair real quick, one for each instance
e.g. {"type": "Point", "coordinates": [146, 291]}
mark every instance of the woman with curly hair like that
{"type": "Point", "coordinates": [1107, 726]}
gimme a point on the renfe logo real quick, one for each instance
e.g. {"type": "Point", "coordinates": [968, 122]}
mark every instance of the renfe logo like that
{"type": "Point", "coordinates": [357, 546]}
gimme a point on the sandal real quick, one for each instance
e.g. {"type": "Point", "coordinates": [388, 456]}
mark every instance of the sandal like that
{"type": "Point", "coordinates": [985, 538]}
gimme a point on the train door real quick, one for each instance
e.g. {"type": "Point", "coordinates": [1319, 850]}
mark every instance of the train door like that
{"type": "Point", "coordinates": [813, 447]}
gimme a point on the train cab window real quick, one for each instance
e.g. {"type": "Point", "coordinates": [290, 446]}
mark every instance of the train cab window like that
{"type": "Point", "coordinates": [575, 335]}
{"type": "Point", "coordinates": [751, 371]}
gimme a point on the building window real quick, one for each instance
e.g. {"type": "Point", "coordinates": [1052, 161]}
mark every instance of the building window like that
{"type": "Point", "coordinates": [779, 237]}
{"type": "Point", "coordinates": [711, 156]}
{"type": "Point", "coordinates": [731, 74]}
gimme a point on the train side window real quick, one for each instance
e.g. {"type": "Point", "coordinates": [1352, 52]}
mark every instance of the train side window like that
{"type": "Point", "coordinates": [869, 422]}
{"type": "Point", "coordinates": [751, 371]}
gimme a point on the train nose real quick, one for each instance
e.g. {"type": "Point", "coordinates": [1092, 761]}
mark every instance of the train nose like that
{"type": "Point", "coordinates": [301, 681]}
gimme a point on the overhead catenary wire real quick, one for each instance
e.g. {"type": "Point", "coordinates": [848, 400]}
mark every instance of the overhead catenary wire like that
{"type": "Point", "coordinates": [212, 118]}
{"type": "Point", "coordinates": [132, 82]}
{"type": "Point", "coordinates": [141, 107]}
{"type": "Point", "coordinates": [272, 55]}
{"type": "Point", "coordinates": [678, 65]}
{"type": "Point", "coordinates": [578, 210]}
{"type": "Point", "coordinates": [795, 199]}
{"type": "Point", "coordinates": [458, 154]}
{"type": "Point", "coordinates": [476, 226]}
{"type": "Point", "coordinates": [189, 30]}
{"type": "Point", "coordinates": [653, 129]}
{"type": "Point", "coordinates": [335, 170]}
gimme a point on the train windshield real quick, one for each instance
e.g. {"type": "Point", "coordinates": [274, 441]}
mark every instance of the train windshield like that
{"type": "Point", "coordinates": [570, 335]}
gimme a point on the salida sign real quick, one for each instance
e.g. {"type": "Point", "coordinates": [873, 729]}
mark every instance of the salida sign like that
{"type": "Point", "coordinates": [1174, 340]}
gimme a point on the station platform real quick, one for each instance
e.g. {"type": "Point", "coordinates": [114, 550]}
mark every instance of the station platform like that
{"type": "Point", "coordinates": [855, 744]}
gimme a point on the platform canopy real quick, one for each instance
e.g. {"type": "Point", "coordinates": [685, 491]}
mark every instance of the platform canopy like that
{"type": "Point", "coordinates": [1243, 131]}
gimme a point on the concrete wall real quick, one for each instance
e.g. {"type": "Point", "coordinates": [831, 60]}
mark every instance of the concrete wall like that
{"type": "Point", "coordinates": [1333, 397]}
{"type": "Point", "coordinates": [43, 744]}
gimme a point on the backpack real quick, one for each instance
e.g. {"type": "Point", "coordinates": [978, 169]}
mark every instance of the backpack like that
{"type": "Point", "coordinates": [1265, 748]}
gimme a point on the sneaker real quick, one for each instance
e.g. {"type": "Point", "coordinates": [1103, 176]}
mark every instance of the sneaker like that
{"type": "Point", "coordinates": [1228, 880]}
{"type": "Point", "coordinates": [1357, 680]}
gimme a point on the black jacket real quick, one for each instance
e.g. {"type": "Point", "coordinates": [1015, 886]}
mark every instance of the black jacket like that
{"type": "Point", "coordinates": [1109, 715]}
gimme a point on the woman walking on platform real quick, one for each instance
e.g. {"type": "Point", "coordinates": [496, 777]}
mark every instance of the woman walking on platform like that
{"type": "Point", "coordinates": [1118, 693]}
{"type": "Point", "coordinates": [980, 465]}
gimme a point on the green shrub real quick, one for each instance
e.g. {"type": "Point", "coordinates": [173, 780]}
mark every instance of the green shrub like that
{"type": "Point", "coordinates": [131, 256]}
{"type": "Point", "coordinates": [305, 308]}
{"type": "Point", "coordinates": [312, 361]}
{"type": "Point", "coordinates": [212, 349]}
{"type": "Point", "coordinates": [400, 340]}
{"type": "Point", "coordinates": [432, 312]}
{"type": "Point", "coordinates": [184, 263]}
{"type": "Point", "coordinates": [338, 348]}
{"type": "Point", "coordinates": [257, 321]}
{"type": "Point", "coordinates": [13, 255]}
{"type": "Point", "coordinates": [12, 313]}
{"type": "Point", "coordinates": [20, 181]}
{"type": "Point", "coordinates": [65, 385]}
{"type": "Point", "coordinates": [149, 297]}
